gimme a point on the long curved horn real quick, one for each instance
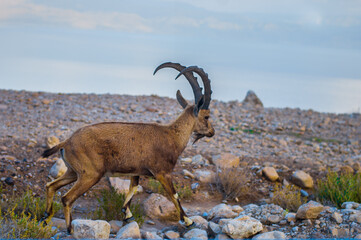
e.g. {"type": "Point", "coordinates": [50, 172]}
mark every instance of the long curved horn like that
{"type": "Point", "coordinates": [206, 83]}
{"type": "Point", "coordinates": [197, 90]}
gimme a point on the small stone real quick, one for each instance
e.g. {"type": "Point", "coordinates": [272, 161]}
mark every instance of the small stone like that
{"type": "Point", "coordinates": [270, 173]}
{"type": "Point", "coordinates": [151, 235]}
{"type": "Point", "coordinates": [196, 234]}
{"type": "Point", "coordinates": [52, 141]}
{"type": "Point", "coordinates": [186, 160]}
{"type": "Point", "coordinates": [157, 206]}
{"type": "Point", "coordinates": [171, 235]}
{"type": "Point", "coordinates": [59, 223]}
{"type": "Point", "coordinates": [271, 235]}
{"type": "Point", "coordinates": [198, 160]}
{"type": "Point", "coordinates": [273, 218]}
{"type": "Point", "coordinates": [291, 217]}
{"type": "Point", "coordinates": [194, 186]}
{"type": "Point", "coordinates": [304, 193]}
{"type": "Point", "coordinates": [225, 160]}
{"type": "Point", "coordinates": [251, 100]}
{"type": "Point", "coordinates": [150, 222]}
{"type": "Point", "coordinates": [200, 222]}
{"type": "Point", "coordinates": [188, 173]}
{"type": "Point", "coordinates": [302, 179]}
{"type": "Point", "coordinates": [356, 217]}
{"type": "Point", "coordinates": [337, 217]}
{"type": "Point", "coordinates": [205, 176]}
{"type": "Point", "coordinates": [242, 227]}
{"type": "Point", "coordinates": [130, 230]}
{"type": "Point", "coordinates": [237, 209]}
{"type": "Point", "coordinates": [90, 229]}
{"type": "Point", "coordinates": [309, 210]}
{"type": "Point", "coordinates": [350, 205]}
{"type": "Point", "coordinates": [9, 181]}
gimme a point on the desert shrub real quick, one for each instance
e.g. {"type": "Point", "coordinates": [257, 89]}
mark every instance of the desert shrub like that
{"type": "Point", "coordinates": [184, 192]}
{"type": "Point", "coordinates": [110, 205]}
{"type": "Point", "coordinates": [338, 189]}
{"type": "Point", "coordinates": [29, 204]}
{"type": "Point", "coordinates": [288, 197]}
{"type": "Point", "coordinates": [233, 183]}
{"type": "Point", "coordinates": [19, 217]}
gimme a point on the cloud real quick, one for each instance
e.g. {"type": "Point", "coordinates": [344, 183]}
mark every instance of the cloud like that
{"type": "Point", "coordinates": [130, 22]}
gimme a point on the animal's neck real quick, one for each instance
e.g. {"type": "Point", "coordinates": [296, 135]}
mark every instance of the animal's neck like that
{"type": "Point", "coordinates": [182, 127]}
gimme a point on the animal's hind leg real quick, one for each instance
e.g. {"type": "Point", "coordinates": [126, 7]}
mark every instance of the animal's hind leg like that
{"type": "Point", "coordinates": [134, 181]}
{"type": "Point", "coordinates": [166, 181]}
{"type": "Point", "coordinates": [68, 177]}
{"type": "Point", "coordinates": [83, 184]}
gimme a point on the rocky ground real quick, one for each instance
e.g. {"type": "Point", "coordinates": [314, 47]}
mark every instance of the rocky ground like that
{"type": "Point", "coordinates": [270, 144]}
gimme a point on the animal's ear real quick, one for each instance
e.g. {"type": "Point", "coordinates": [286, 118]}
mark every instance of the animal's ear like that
{"type": "Point", "coordinates": [199, 105]}
{"type": "Point", "coordinates": [181, 100]}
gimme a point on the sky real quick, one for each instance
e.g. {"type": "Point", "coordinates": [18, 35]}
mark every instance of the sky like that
{"type": "Point", "coordinates": [301, 54]}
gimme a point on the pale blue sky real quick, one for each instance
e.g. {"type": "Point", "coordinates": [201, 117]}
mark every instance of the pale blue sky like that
{"type": "Point", "coordinates": [297, 53]}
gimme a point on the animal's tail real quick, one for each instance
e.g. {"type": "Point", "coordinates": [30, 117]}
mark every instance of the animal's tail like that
{"type": "Point", "coordinates": [52, 150]}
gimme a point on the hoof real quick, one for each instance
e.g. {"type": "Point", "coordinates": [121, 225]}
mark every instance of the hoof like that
{"type": "Point", "coordinates": [193, 225]}
{"type": "Point", "coordinates": [129, 220]}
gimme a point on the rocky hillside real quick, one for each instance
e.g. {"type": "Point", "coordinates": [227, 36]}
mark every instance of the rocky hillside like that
{"type": "Point", "coordinates": [287, 146]}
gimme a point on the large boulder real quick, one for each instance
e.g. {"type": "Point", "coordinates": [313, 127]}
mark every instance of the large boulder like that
{"type": "Point", "coordinates": [98, 229]}
{"type": "Point", "coordinates": [225, 160]}
{"type": "Point", "coordinates": [130, 230]}
{"type": "Point", "coordinates": [309, 210]}
{"type": "Point", "coordinates": [157, 206]}
{"type": "Point", "coordinates": [244, 227]}
{"type": "Point", "coordinates": [58, 169]}
{"type": "Point", "coordinates": [302, 179]}
{"type": "Point", "coordinates": [251, 100]}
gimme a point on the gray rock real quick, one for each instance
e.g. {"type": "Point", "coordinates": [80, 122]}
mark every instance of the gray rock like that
{"type": "Point", "coordinates": [58, 169]}
{"type": "Point", "coordinates": [271, 235]}
{"type": "Point", "coordinates": [198, 160]}
{"type": "Point", "coordinates": [309, 210]}
{"type": "Point", "coordinates": [214, 228]}
{"type": "Point", "coordinates": [356, 217]}
{"type": "Point", "coordinates": [156, 206]}
{"type": "Point", "coordinates": [200, 222]}
{"type": "Point", "coordinates": [242, 227]}
{"type": "Point", "coordinates": [337, 217]}
{"type": "Point", "coordinates": [221, 211]}
{"type": "Point", "coordinates": [225, 160]}
{"type": "Point", "coordinates": [171, 235]}
{"type": "Point", "coordinates": [350, 205]}
{"type": "Point", "coordinates": [222, 236]}
{"type": "Point", "coordinates": [196, 233]}
{"type": "Point", "coordinates": [270, 173]}
{"type": "Point", "coordinates": [251, 100]}
{"type": "Point", "coordinates": [58, 223]}
{"type": "Point", "coordinates": [205, 176]}
{"type": "Point", "coordinates": [130, 230]}
{"type": "Point", "coordinates": [115, 226]}
{"type": "Point", "coordinates": [90, 229]}
{"type": "Point", "coordinates": [302, 179]}
{"type": "Point", "coordinates": [188, 173]}
{"type": "Point", "coordinates": [150, 235]}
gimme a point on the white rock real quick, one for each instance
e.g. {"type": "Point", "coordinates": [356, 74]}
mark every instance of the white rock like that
{"type": "Point", "coordinates": [198, 160]}
{"type": "Point", "coordinates": [242, 227]}
{"type": "Point", "coordinates": [157, 206]}
{"type": "Point", "coordinates": [172, 235]}
{"type": "Point", "coordinates": [205, 176]}
{"type": "Point", "coordinates": [271, 235]}
{"type": "Point", "coordinates": [221, 211]}
{"type": "Point", "coordinates": [90, 229]}
{"type": "Point", "coordinates": [58, 169]}
{"type": "Point", "coordinates": [196, 234]}
{"type": "Point", "coordinates": [214, 228]}
{"type": "Point", "coordinates": [130, 230]}
{"type": "Point", "coordinates": [337, 217]}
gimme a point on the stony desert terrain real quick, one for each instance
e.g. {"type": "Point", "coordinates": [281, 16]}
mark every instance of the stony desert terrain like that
{"type": "Point", "coordinates": [248, 136]}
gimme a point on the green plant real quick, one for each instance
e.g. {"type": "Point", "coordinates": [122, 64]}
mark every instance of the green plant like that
{"type": "Point", "coordinates": [184, 192]}
{"type": "Point", "coordinates": [232, 183]}
{"type": "Point", "coordinates": [339, 188]}
{"type": "Point", "coordinates": [110, 205]}
{"type": "Point", "coordinates": [288, 197]}
{"type": "Point", "coordinates": [19, 218]}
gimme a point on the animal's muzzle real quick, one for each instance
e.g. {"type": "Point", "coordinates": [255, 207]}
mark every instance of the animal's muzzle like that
{"type": "Point", "coordinates": [210, 133]}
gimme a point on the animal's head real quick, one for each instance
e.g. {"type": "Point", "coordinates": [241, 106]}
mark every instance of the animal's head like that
{"type": "Point", "coordinates": [201, 112]}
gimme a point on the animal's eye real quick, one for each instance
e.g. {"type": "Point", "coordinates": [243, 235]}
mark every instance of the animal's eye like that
{"type": "Point", "coordinates": [206, 117]}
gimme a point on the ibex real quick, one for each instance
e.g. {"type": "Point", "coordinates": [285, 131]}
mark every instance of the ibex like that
{"type": "Point", "coordinates": [132, 149]}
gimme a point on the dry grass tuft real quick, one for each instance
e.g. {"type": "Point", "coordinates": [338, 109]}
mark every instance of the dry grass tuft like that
{"type": "Point", "coordinates": [288, 197]}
